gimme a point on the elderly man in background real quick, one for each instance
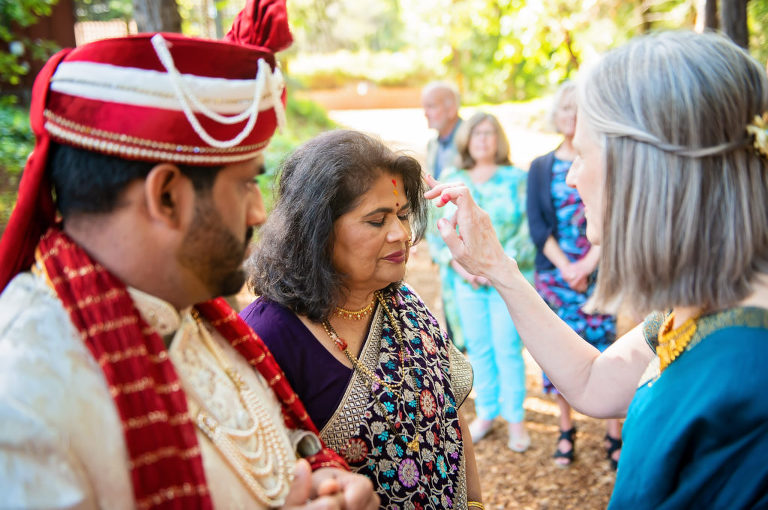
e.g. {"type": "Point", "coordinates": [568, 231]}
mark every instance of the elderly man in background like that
{"type": "Point", "coordinates": [441, 108]}
{"type": "Point", "coordinates": [123, 384]}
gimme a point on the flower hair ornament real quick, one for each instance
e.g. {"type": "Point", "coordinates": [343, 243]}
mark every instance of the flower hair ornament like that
{"type": "Point", "coordinates": [758, 128]}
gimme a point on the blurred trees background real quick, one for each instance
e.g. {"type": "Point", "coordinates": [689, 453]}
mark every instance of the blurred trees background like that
{"type": "Point", "coordinates": [494, 50]}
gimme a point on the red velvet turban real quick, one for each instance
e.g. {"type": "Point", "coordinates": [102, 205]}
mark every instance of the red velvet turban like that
{"type": "Point", "coordinates": [156, 98]}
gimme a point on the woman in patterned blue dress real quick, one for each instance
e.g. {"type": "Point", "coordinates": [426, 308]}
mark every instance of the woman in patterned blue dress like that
{"type": "Point", "coordinates": [566, 261]}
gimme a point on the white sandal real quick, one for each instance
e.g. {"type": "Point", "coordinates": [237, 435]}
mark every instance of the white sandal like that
{"type": "Point", "coordinates": [479, 428]}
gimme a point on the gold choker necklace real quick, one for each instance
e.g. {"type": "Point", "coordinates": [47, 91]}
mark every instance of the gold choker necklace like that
{"type": "Point", "coordinates": [355, 315]}
{"type": "Point", "coordinates": [672, 342]}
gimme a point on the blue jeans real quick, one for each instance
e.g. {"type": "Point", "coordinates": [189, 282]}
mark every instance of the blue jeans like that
{"type": "Point", "coordinates": [495, 352]}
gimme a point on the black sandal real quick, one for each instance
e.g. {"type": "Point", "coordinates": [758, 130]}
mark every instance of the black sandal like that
{"type": "Point", "coordinates": [614, 445]}
{"type": "Point", "coordinates": [568, 435]}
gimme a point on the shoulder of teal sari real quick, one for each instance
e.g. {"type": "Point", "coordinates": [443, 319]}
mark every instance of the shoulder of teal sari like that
{"type": "Point", "coordinates": [738, 317]}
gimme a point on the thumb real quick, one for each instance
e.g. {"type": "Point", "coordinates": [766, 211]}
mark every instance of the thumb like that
{"type": "Point", "coordinates": [301, 488]}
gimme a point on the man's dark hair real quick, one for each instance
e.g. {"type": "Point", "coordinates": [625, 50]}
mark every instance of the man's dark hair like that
{"type": "Point", "coordinates": [91, 182]}
{"type": "Point", "coordinates": [319, 182]}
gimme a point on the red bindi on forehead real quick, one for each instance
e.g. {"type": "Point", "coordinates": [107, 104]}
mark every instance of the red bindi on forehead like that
{"type": "Point", "coordinates": [394, 190]}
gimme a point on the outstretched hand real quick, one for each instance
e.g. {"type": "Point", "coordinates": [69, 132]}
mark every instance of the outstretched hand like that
{"type": "Point", "coordinates": [475, 246]}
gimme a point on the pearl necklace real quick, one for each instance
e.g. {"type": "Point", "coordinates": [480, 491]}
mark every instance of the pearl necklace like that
{"type": "Point", "coordinates": [394, 388]}
{"type": "Point", "coordinates": [271, 459]}
{"type": "Point", "coordinates": [673, 342]}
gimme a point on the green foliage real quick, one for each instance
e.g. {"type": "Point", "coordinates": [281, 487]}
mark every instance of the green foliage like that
{"type": "Point", "coordinates": [757, 21]}
{"type": "Point", "coordinates": [16, 142]}
{"type": "Point", "coordinates": [20, 14]}
{"type": "Point", "coordinates": [306, 119]}
{"type": "Point", "coordinates": [325, 26]}
{"type": "Point", "coordinates": [103, 10]}
{"type": "Point", "coordinates": [412, 67]}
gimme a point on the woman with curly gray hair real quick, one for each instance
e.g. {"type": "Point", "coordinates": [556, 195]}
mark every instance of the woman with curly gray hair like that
{"type": "Point", "coordinates": [672, 166]}
{"type": "Point", "coordinates": [379, 378]}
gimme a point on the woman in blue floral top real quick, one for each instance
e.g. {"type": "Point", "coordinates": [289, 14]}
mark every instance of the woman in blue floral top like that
{"type": "Point", "coordinates": [566, 262]}
{"type": "Point", "coordinates": [493, 345]}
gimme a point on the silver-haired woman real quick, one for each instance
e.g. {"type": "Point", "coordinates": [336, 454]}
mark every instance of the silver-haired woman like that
{"type": "Point", "coordinates": [672, 166]}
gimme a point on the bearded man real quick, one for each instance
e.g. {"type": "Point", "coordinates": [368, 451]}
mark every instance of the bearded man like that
{"type": "Point", "coordinates": [123, 384]}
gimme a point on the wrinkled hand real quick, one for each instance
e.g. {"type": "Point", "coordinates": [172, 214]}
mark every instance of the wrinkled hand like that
{"type": "Point", "coordinates": [476, 246]}
{"type": "Point", "coordinates": [329, 489]}
{"type": "Point", "coordinates": [356, 490]}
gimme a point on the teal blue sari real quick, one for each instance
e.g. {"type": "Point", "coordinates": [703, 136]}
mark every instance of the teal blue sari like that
{"type": "Point", "coordinates": [697, 436]}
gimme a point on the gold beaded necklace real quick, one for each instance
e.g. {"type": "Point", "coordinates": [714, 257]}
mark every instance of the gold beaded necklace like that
{"type": "Point", "coordinates": [672, 342]}
{"type": "Point", "coordinates": [394, 388]}
{"type": "Point", "coordinates": [355, 315]}
{"type": "Point", "coordinates": [343, 347]}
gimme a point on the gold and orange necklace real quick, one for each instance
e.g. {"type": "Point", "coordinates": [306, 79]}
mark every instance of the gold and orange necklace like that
{"type": "Point", "coordinates": [672, 342]}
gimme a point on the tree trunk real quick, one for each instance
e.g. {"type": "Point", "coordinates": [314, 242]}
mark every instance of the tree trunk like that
{"type": "Point", "coordinates": [156, 15]}
{"type": "Point", "coordinates": [734, 15]}
{"type": "Point", "coordinates": [711, 20]}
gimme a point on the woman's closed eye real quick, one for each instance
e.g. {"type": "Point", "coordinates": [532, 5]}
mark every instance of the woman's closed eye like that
{"type": "Point", "coordinates": [379, 222]}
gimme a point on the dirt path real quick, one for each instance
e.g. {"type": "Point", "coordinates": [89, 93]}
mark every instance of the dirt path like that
{"type": "Point", "coordinates": [509, 480]}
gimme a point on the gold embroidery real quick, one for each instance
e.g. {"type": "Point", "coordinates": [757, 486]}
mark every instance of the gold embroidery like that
{"type": "Point", "coordinates": [133, 387]}
{"type": "Point", "coordinates": [461, 374]}
{"type": "Point", "coordinates": [142, 421]}
{"type": "Point", "coordinates": [133, 152]}
{"type": "Point", "coordinates": [169, 388]}
{"type": "Point", "coordinates": [143, 384]}
{"type": "Point", "coordinates": [275, 379]}
{"type": "Point", "coordinates": [156, 417]}
{"type": "Point", "coordinates": [103, 327]}
{"type": "Point", "coordinates": [179, 419]}
{"type": "Point", "coordinates": [169, 493]}
{"type": "Point", "coordinates": [92, 300]}
{"type": "Point", "coordinates": [128, 139]}
{"type": "Point", "coordinates": [72, 274]}
{"type": "Point", "coordinates": [227, 318]}
{"type": "Point", "coordinates": [114, 357]}
{"type": "Point", "coordinates": [240, 340]}
{"type": "Point", "coordinates": [164, 453]}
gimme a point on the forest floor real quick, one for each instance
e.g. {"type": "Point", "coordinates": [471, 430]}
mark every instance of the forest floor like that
{"type": "Point", "coordinates": [530, 480]}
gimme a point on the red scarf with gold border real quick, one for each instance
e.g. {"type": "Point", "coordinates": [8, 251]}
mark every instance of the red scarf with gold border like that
{"type": "Point", "coordinates": [165, 461]}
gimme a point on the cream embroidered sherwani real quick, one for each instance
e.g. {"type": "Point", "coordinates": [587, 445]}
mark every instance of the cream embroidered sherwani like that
{"type": "Point", "coordinates": [61, 437]}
